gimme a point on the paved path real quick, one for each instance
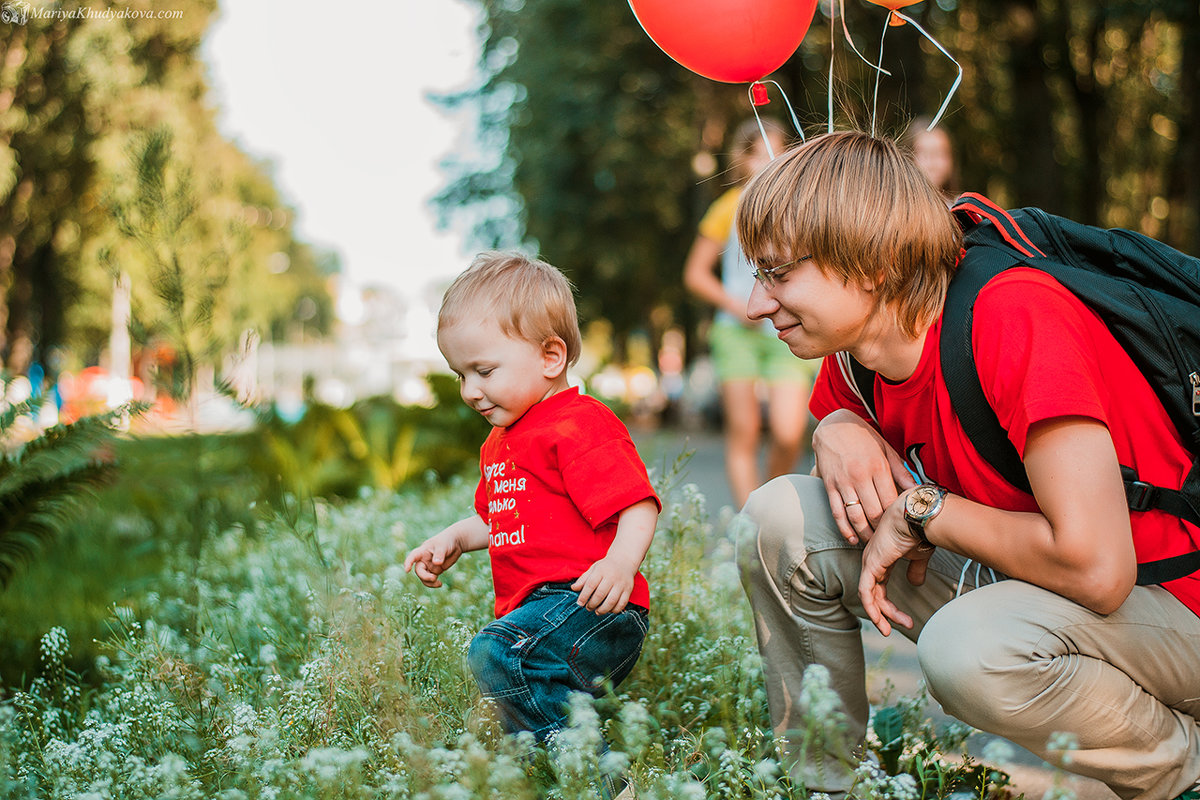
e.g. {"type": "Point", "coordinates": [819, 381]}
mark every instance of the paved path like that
{"type": "Point", "coordinates": [894, 657]}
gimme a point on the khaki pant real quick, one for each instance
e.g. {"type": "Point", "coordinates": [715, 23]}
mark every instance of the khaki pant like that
{"type": "Point", "coordinates": [1007, 657]}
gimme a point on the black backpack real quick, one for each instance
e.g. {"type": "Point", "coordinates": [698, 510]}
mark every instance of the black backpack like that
{"type": "Point", "coordinates": [1148, 295]}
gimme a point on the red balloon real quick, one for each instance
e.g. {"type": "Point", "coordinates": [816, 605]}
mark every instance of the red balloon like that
{"type": "Point", "coordinates": [733, 41]}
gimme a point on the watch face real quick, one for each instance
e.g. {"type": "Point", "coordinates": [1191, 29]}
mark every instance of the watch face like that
{"type": "Point", "coordinates": [921, 500]}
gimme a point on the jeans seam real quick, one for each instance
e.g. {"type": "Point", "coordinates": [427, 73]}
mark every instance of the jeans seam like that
{"type": "Point", "coordinates": [517, 673]}
{"type": "Point", "coordinates": [613, 619]}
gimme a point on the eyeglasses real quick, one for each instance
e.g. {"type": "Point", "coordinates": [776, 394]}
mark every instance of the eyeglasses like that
{"type": "Point", "coordinates": [767, 275]}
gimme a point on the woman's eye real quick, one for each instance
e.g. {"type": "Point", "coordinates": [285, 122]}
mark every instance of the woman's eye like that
{"type": "Point", "coordinates": [483, 373]}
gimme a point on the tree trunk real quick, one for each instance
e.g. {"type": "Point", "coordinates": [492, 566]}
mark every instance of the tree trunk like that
{"type": "Point", "coordinates": [1183, 229]}
{"type": "Point", "coordinates": [1038, 179]}
{"type": "Point", "coordinates": [1090, 108]}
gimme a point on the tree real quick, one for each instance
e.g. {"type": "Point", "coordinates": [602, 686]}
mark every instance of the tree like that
{"type": "Point", "coordinates": [44, 166]}
{"type": "Point", "coordinates": [598, 131]}
{"type": "Point", "coordinates": [602, 152]}
{"type": "Point", "coordinates": [83, 94]}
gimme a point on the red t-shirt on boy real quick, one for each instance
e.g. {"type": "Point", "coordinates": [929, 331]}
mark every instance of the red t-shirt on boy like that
{"type": "Point", "coordinates": [1082, 371]}
{"type": "Point", "coordinates": [552, 485]}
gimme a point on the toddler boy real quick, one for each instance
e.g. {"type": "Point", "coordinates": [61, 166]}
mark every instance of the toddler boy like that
{"type": "Point", "coordinates": [564, 505]}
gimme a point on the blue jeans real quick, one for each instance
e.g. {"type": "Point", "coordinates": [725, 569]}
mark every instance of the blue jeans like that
{"type": "Point", "coordinates": [529, 661]}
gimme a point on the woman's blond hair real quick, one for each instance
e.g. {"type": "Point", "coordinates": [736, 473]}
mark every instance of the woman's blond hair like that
{"type": "Point", "coordinates": [529, 299]}
{"type": "Point", "coordinates": [865, 212]}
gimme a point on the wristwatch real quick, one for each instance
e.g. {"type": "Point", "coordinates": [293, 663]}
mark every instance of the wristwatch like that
{"type": "Point", "coordinates": [921, 505]}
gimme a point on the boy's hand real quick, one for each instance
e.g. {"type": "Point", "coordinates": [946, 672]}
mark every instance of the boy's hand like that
{"type": "Point", "coordinates": [892, 542]}
{"type": "Point", "coordinates": [606, 586]}
{"type": "Point", "coordinates": [863, 475]}
{"type": "Point", "coordinates": [433, 557]}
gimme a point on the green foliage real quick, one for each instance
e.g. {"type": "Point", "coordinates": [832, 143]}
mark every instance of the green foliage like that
{"type": "Point", "coordinates": [45, 482]}
{"type": "Point", "coordinates": [174, 495]}
{"type": "Point", "coordinates": [278, 672]}
{"type": "Point", "coordinates": [82, 94]}
{"type": "Point", "coordinates": [602, 152]}
{"type": "Point", "coordinates": [164, 497]}
{"type": "Point", "coordinates": [935, 758]}
{"type": "Point", "coordinates": [335, 452]}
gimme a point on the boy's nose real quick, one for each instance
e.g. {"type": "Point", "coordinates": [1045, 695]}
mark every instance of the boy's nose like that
{"type": "Point", "coordinates": [761, 303]}
{"type": "Point", "coordinates": [470, 391]}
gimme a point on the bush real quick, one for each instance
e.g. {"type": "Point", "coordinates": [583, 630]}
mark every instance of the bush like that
{"type": "Point", "coordinates": [169, 496]}
{"type": "Point", "coordinates": [334, 452]}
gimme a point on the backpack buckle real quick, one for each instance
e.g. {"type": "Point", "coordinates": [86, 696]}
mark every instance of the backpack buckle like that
{"type": "Point", "coordinates": [1140, 495]}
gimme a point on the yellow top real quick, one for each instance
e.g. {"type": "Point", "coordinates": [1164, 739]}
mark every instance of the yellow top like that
{"type": "Point", "coordinates": [718, 220]}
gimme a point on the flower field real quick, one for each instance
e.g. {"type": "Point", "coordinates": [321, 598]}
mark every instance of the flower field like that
{"type": "Point", "coordinates": [298, 660]}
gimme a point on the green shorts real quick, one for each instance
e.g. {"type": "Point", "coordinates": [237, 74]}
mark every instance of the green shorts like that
{"type": "Point", "coordinates": [740, 353]}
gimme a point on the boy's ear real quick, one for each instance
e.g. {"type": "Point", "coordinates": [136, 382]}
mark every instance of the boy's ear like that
{"type": "Point", "coordinates": [554, 357]}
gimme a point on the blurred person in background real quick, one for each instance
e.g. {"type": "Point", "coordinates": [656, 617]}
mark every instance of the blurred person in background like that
{"type": "Point", "coordinates": [746, 353]}
{"type": "Point", "coordinates": [934, 153]}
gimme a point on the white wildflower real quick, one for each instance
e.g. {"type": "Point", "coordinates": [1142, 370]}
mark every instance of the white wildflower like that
{"type": "Point", "coordinates": [1062, 743]}
{"type": "Point", "coordinates": [817, 696]}
{"type": "Point", "coordinates": [904, 787]}
{"type": "Point", "coordinates": [997, 751]}
{"type": "Point", "coordinates": [766, 771]}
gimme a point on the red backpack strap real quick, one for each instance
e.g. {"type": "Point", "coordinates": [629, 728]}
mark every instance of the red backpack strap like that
{"type": "Point", "coordinates": [976, 208]}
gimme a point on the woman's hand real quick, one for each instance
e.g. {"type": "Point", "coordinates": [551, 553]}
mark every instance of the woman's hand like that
{"type": "Point", "coordinates": [862, 473]}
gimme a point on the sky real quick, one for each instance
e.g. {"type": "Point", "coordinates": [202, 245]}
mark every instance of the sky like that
{"type": "Point", "coordinates": [334, 95]}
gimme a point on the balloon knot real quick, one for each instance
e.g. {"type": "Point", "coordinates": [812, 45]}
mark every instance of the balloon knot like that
{"type": "Point", "coordinates": [758, 94]}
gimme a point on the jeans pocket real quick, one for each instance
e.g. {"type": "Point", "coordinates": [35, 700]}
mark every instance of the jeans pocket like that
{"type": "Point", "coordinates": [609, 649]}
{"type": "Point", "coordinates": [494, 658]}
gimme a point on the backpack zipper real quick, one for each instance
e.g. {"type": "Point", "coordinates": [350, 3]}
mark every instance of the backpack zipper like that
{"type": "Point", "coordinates": [1061, 251]}
{"type": "Point", "coordinates": [1177, 357]}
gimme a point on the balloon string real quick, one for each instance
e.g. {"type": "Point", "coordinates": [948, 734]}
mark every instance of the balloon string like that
{"type": "Point", "coordinates": [832, 41]}
{"type": "Point", "coordinates": [791, 112]}
{"type": "Point", "coordinates": [846, 32]}
{"type": "Point", "coordinates": [954, 86]}
{"type": "Point", "coordinates": [833, 14]}
{"type": "Point", "coordinates": [766, 139]}
{"type": "Point", "coordinates": [887, 23]}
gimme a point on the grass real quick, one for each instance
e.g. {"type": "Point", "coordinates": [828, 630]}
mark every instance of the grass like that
{"type": "Point", "coordinates": [298, 660]}
{"type": "Point", "coordinates": [168, 493]}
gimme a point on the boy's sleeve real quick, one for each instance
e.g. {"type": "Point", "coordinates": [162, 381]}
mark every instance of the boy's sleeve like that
{"type": "Point", "coordinates": [602, 471]}
{"type": "Point", "coordinates": [481, 501]}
